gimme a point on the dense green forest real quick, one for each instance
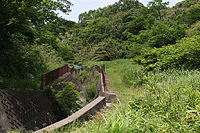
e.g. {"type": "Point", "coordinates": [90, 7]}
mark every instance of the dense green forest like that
{"type": "Point", "coordinates": [30, 41]}
{"type": "Point", "coordinates": [35, 40]}
{"type": "Point", "coordinates": [127, 28]}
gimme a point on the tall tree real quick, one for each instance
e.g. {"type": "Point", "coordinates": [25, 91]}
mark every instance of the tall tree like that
{"type": "Point", "coordinates": [158, 7]}
{"type": "Point", "coordinates": [23, 16]}
{"type": "Point", "coordinates": [21, 22]}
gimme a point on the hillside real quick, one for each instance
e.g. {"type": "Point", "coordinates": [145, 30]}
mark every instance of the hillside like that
{"type": "Point", "coordinates": [123, 29]}
{"type": "Point", "coordinates": [151, 55]}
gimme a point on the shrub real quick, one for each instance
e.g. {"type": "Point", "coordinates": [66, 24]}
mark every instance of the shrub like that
{"type": "Point", "coordinates": [68, 98]}
{"type": "Point", "coordinates": [109, 49]}
{"type": "Point", "coordinates": [184, 53]}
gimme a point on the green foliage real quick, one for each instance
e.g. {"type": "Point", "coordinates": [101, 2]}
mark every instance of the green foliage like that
{"type": "Point", "coordinates": [89, 80]}
{"type": "Point", "coordinates": [107, 12]}
{"type": "Point", "coordinates": [92, 88]}
{"type": "Point", "coordinates": [24, 16]}
{"type": "Point", "coordinates": [83, 77]}
{"type": "Point", "coordinates": [20, 130]}
{"type": "Point", "coordinates": [160, 34]}
{"type": "Point", "coordinates": [170, 103]}
{"type": "Point", "coordinates": [157, 8]}
{"type": "Point", "coordinates": [96, 30]}
{"type": "Point", "coordinates": [109, 49]}
{"type": "Point", "coordinates": [100, 32]}
{"type": "Point", "coordinates": [27, 26]}
{"type": "Point", "coordinates": [16, 83]}
{"type": "Point", "coordinates": [68, 98]}
{"type": "Point", "coordinates": [140, 20]}
{"type": "Point", "coordinates": [194, 29]}
{"type": "Point", "coordinates": [24, 61]}
{"type": "Point", "coordinates": [129, 29]}
{"type": "Point", "coordinates": [183, 54]}
{"type": "Point", "coordinates": [133, 76]}
{"type": "Point", "coordinates": [187, 4]}
{"type": "Point", "coordinates": [66, 54]}
{"type": "Point", "coordinates": [167, 93]}
{"type": "Point", "coordinates": [193, 15]}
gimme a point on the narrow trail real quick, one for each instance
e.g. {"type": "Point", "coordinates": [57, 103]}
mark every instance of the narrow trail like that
{"type": "Point", "coordinates": [115, 84]}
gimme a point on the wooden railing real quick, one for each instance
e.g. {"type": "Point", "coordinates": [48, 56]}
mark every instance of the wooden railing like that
{"type": "Point", "coordinates": [55, 74]}
{"type": "Point", "coordinates": [51, 76]}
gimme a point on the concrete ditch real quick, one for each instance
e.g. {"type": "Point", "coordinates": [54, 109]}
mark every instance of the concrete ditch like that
{"type": "Point", "coordinates": [90, 109]}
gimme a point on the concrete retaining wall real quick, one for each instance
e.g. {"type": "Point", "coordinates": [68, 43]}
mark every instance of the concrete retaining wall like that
{"type": "Point", "coordinates": [30, 110]}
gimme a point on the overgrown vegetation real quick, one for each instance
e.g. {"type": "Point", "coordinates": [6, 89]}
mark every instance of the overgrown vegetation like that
{"type": "Point", "coordinates": [91, 89]}
{"type": "Point", "coordinates": [36, 43]}
{"type": "Point", "coordinates": [161, 94]}
{"type": "Point", "coordinates": [126, 28]}
{"type": "Point", "coordinates": [30, 41]}
{"type": "Point", "coordinates": [60, 98]}
{"type": "Point", "coordinates": [68, 94]}
{"type": "Point", "coordinates": [183, 54]}
{"type": "Point", "coordinates": [166, 101]}
{"type": "Point", "coordinates": [89, 80]}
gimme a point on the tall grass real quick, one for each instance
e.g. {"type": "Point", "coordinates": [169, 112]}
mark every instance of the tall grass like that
{"type": "Point", "coordinates": [171, 103]}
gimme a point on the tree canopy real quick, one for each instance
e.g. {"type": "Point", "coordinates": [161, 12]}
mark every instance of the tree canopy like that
{"type": "Point", "coordinates": [24, 17]}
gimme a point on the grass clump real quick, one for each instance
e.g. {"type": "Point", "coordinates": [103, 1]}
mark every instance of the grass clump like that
{"type": "Point", "coordinates": [92, 88]}
{"type": "Point", "coordinates": [171, 96]}
{"type": "Point", "coordinates": [133, 76]}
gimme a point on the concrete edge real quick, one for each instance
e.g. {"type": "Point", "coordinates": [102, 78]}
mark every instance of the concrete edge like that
{"type": "Point", "coordinates": [109, 97]}
{"type": "Point", "coordinates": [82, 114]}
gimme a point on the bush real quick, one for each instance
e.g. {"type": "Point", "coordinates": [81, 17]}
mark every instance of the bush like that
{"type": "Point", "coordinates": [68, 98]}
{"type": "Point", "coordinates": [109, 49]}
{"type": "Point", "coordinates": [184, 53]}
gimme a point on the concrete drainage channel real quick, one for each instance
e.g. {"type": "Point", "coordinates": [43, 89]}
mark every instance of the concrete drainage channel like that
{"type": "Point", "coordinates": [103, 99]}
{"type": "Point", "coordinates": [32, 109]}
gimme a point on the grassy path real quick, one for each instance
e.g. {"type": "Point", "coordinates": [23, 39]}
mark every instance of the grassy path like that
{"type": "Point", "coordinates": [114, 70]}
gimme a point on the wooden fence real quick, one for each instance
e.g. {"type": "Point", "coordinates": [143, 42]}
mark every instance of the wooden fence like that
{"type": "Point", "coordinates": [55, 74]}
{"type": "Point", "coordinates": [51, 76]}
